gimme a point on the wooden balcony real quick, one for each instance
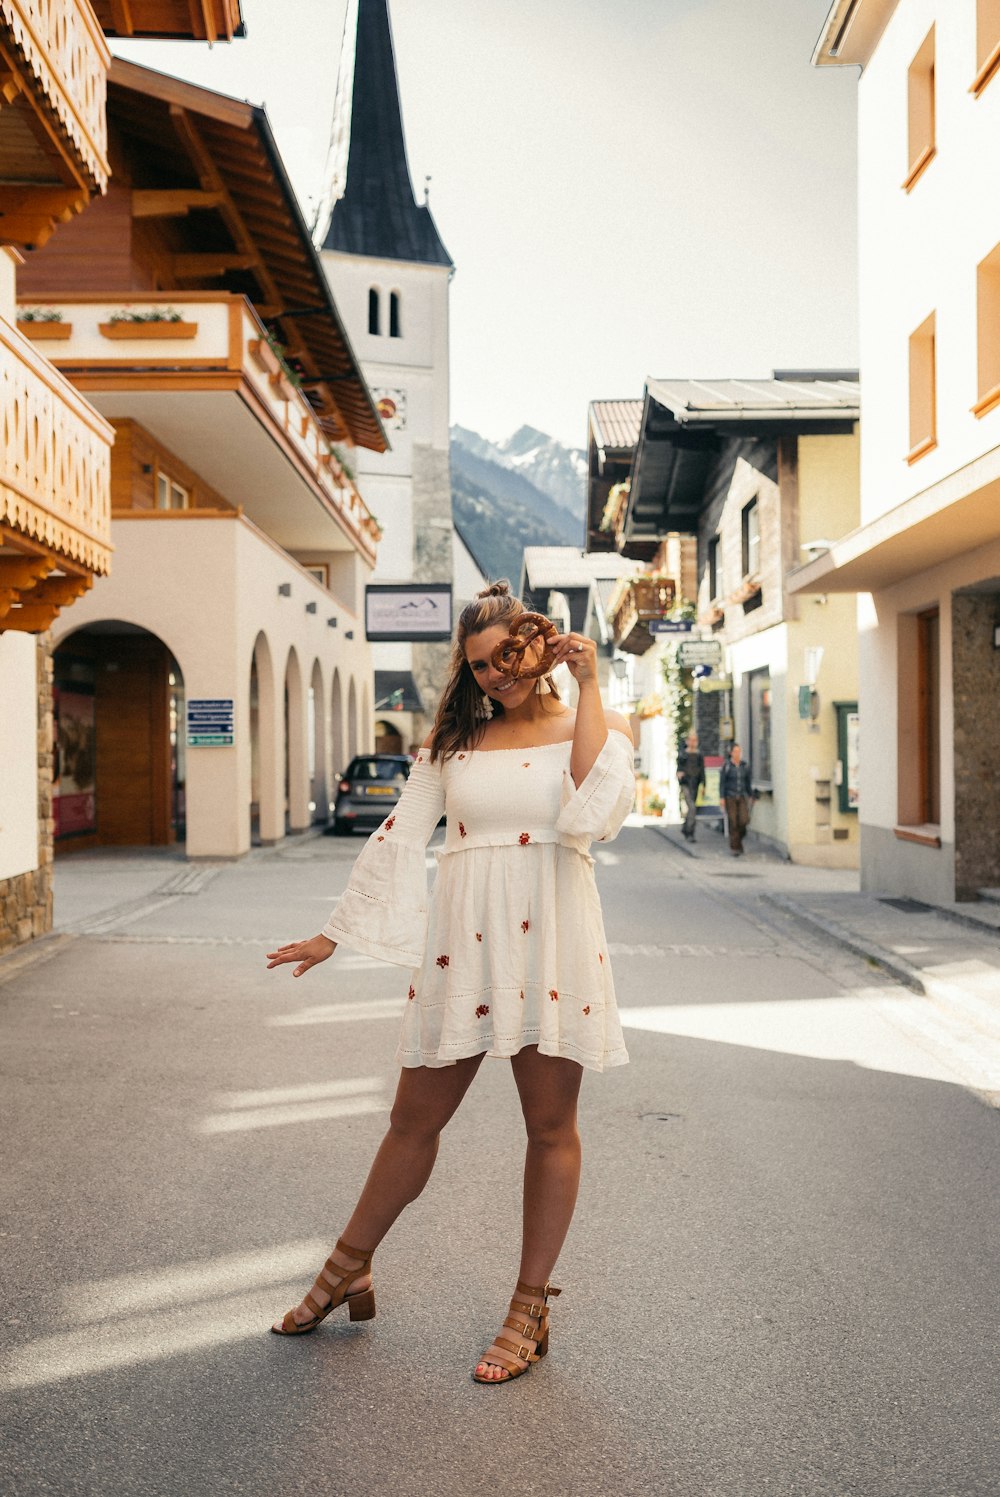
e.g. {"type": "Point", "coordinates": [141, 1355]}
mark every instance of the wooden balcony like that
{"type": "Point", "coordinates": [53, 129]}
{"type": "Point", "coordinates": [636, 601]}
{"type": "Point", "coordinates": [55, 489]}
{"type": "Point", "coordinates": [198, 20]}
{"type": "Point", "coordinates": [220, 398]}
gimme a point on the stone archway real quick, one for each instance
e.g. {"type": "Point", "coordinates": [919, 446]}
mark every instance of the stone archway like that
{"type": "Point", "coordinates": [297, 816]}
{"type": "Point", "coordinates": [337, 750]}
{"type": "Point", "coordinates": [319, 773]}
{"type": "Point", "coordinates": [119, 774]}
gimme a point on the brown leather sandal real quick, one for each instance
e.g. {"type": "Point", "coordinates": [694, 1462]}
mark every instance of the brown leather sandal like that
{"type": "Point", "coordinates": [515, 1357]}
{"type": "Point", "coordinates": [333, 1280]}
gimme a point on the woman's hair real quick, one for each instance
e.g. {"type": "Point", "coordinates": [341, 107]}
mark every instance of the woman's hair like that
{"type": "Point", "coordinates": [460, 720]}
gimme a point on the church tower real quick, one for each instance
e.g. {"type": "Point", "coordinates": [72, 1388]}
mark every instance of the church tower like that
{"type": "Point", "coordinates": [390, 272]}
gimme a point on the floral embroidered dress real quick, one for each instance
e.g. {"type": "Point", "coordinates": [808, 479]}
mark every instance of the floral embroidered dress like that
{"type": "Point", "coordinates": [509, 950]}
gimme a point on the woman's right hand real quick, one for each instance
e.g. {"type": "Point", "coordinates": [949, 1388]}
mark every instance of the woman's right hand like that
{"type": "Point", "coordinates": [307, 953]}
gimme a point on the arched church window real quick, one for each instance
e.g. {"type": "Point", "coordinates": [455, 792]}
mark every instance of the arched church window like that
{"type": "Point", "coordinates": [395, 325]}
{"type": "Point", "coordinates": [374, 311]}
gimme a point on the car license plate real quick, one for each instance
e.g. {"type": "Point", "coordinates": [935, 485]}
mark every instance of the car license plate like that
{"type": "Point", "coordinates": [379, 790]}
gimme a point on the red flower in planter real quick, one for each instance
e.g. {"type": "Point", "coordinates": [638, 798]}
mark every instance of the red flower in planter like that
{"type": "Point", "coordinates": [524, 839]}
{"type": "Point", "coordinates": [413, 992]}
{"type": "Point", "coordinates": [461, 829]}
{"type": "Point", "coordinates": [524, 926]}
{"type": "Point", "coordinates": [553, 995]}
{"type": "Point", "coordinates": [482, 1011]}
{"type": "Point", "coordinates": [442, 961]}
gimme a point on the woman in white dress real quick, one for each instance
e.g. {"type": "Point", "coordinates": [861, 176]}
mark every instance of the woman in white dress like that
{"type": "Point", "coordinates": [507, 958]}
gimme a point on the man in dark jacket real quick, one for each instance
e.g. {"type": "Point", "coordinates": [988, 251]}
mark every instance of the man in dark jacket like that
{"type": "Point", "coordinates": [736, 794]}
{"type": "Point", "coordinates": [691, 776]}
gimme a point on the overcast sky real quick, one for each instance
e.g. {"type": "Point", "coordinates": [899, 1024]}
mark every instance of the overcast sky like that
{"type": "Point", "coordinates": [654, 187]}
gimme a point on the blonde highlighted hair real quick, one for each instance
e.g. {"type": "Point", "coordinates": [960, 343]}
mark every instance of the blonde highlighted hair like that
{"type": "Point", "coordinates": [460, 721]}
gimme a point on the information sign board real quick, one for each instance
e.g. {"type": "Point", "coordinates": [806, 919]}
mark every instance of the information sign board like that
{"type": "Point", "coordinates": [210, 722]}
{"type": "Point", "coordinates": [408, 611]}
{"type": "Point", "coordinates": [694, 652]}
{"type": "Point", "coordinates": [670, 626]}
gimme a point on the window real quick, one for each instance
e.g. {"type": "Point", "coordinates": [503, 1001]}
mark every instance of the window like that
{"type": "Point", "coordinates": [929, 715]}
{"type": "Point", "coordinates": [751, 539]}
{"type": "Point", "coordinates": [395, 327]}
{"type": "Point", "coordinates": [713, 569]}
{"type": "Point", "coordinates": [760, 727]}
{"type": "Point", "coordinates": [320, 570]}
{"type": "Point", "coordinates": [170, 495]}
{"type": "Point", "coordinates": [921, 111]}
{"type": "Point", "coordinates": [988, 327]}
{"type": "Point", "coordinates": [923, 397]}
{"type": "Point", "coordinates": [374, 311]}
{"type": "Point", "coordinates": [987, 42]}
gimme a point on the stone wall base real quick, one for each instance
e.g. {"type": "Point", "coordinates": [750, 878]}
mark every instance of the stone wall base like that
{"type": "Point", "coordinates": [26, 899]}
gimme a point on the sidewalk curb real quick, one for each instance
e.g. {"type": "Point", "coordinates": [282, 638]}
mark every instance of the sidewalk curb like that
{"type": "Point", "coordinates": [947, 995]}
{"type": "Point", "coordinates": [896, 966]}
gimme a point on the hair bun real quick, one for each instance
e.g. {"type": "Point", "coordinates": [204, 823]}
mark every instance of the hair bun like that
{"type": "Point", "coordinates": [499, 589]}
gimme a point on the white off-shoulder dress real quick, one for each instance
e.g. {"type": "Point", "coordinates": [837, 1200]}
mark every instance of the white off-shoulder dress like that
{"type": "Point", "coordinates": [509, 948]}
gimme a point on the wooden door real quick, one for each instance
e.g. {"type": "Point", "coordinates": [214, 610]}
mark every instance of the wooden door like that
{"type": "Point", "coordinates": [133, 762]}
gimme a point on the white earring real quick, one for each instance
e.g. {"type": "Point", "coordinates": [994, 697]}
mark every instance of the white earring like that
{"type": "Point", "coordinates": [487, 707]}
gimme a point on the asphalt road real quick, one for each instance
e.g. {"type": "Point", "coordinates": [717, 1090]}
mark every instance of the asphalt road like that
{"type": "Point", "coordinates": [782, 1278]}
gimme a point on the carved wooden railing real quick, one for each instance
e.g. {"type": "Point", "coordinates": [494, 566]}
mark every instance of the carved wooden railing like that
{"type": "Point", "coordinates": [64, 60]}
{"type": "Point", "coordinates": [636, 601]}
{"type": "Point", "coordinates": [55, 488]}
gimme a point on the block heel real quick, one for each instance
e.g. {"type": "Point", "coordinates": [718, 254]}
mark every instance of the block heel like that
{"type": "Point", "coordinates": [362, 1306]}
{"type": "Point", "coordinates": [529, 1317]}
{"type": "Point", "coordinates": [334, 1280]}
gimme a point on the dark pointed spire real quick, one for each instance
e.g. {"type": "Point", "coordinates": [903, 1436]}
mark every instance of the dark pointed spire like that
{"type": "Point", "coordinates": [378, 214]}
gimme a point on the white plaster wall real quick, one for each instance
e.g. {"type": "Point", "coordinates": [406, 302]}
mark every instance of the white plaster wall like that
{"type": "Point", "coordinates": [18, 755]}
{"type": "Point", "coordinates": [880, 690]}
{"type": "Point", "coordinates": [919, 250]}
{"type": "Point", "coordinates": [206, 588]}
{"type": "Point", "coordinates": [769, 650]}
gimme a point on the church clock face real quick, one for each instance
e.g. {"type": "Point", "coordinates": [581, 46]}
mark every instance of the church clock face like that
{"type": "Point", "coordinates": [391, 406]}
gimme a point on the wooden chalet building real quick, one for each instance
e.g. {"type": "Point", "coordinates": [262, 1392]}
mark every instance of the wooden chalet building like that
{"type": "Point", "coordinates": [211, 687]}
{"type": "Point", "coordinates": [54, 445]}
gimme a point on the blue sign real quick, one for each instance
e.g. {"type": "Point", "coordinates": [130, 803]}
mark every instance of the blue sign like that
{"type": "Point", "coordinates": [670, 626]}
{"type": "Point", "coordinates": [210, 722]}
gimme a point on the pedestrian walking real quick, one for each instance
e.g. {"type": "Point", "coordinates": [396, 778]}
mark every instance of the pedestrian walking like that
{"type": "Point", "coordinates": [509, 953]}
{"type": "Point", "coordinates": [736, 794]}
{"type": "Point", "coordinates": [691, 778]}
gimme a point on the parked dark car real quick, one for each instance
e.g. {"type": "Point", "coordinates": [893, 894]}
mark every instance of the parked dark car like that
{"type": "Point", "coordinates": [366, 793]}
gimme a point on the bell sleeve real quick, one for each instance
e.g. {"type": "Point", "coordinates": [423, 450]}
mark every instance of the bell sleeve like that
{"type": "Point", "coordinates": [383, 911]}
{"type": "Point", "coordinates": [597, 807]}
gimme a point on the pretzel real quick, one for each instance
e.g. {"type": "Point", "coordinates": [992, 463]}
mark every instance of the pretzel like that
{"type": "Point", "coordinates": [524, 630]}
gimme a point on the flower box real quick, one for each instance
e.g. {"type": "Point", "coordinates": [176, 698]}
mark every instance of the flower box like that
{"type": "Point", "coordinates": [148, 329]}
{"type": "Point", "coordinates": [37, 330]}
{"type": "Point", "coordinates": [264, 356]}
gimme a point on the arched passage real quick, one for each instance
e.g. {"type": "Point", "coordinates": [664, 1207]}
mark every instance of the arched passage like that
{"type": "Point", "coordinates": [267, 808]}
{"type": "Point", "coordinates": [337, 752]}
{"type": "Point", "coordinates": [119, 772]}
{"type": "Point", "coordinates": [319, 780]}
{"type": "Point", "coordinates": [297, 816]}
{"type": "Point", "coordinates": [352, 720]}
{"type": "Point", "coordinates": [388, 739]}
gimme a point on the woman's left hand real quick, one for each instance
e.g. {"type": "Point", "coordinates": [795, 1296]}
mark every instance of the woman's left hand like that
{"type": "Point", "coordinates": [579, 654]}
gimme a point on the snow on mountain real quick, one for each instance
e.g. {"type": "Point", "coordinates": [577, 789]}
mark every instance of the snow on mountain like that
{"type": "Point", "coordinates": [558, 471]}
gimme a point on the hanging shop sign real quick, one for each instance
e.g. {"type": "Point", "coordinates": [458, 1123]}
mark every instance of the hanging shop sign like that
{"type": "Point", "coordinates": [407, 611]}
{"type": "Point", "coordinates": [210, 722]}
{"type": "Point", "coordinates": [670, 626]}
{"type": "Point", "coordinates": [692, 652]}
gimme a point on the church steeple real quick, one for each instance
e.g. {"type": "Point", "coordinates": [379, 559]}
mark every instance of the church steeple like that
{"type": "Point", "coordinates": [377, 215]}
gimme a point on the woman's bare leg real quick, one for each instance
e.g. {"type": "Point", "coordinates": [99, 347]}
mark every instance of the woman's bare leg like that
{"type": "Point", "coordinates": [549, 1087]}
{"type": "Point", "coordinates": [426, 1099]}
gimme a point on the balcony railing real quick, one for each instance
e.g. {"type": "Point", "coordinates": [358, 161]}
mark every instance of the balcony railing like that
{"type": "Point", "coordinates": [635, 603]}
{"type": "Point", "coordinates": [210, 342]}
{"type": "Point", "coordinates": [60, 55]}
{"type": "Point", "coordinates": [55, 488]}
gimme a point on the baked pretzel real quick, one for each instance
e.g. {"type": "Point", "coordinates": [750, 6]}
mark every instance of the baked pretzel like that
{"type": "Point", "coordinates": [509, 655]}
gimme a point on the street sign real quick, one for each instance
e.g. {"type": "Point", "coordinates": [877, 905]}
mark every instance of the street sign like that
{"type": "Point", "coordinates": [694, 652]}
{"type": "Point", "coordinates": [670, 626]}
{"type": "Point", "coordinates": [210, 722]}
